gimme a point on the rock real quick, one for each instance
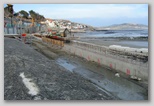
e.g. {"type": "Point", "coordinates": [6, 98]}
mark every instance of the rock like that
{"type": "Point", "coordinates": [139, 79]}
{"type": "Point", "coordinates": [133, 77]}
{"type": "Point", "coordinates": [117, 75]}
{"type": "Point", "coordinates": [37, 98]}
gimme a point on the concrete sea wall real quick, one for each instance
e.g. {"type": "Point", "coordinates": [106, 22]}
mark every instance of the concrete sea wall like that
{"type": "Point", "coordinates": [134, 68]}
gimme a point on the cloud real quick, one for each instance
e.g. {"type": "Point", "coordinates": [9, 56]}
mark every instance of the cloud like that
{"type": "Point", "coordinates": [95, 11]}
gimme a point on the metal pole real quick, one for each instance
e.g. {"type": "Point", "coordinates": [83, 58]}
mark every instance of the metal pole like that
{"type": "Point", "coordinates": [7, 30]}
{"type": "Point", "coordinates": [12, 24]}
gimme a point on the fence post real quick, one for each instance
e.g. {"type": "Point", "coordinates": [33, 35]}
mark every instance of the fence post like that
{"type": "Point", "coordinates": [7, 30]}
{"type": "Point", "coordinates": [20, 30]}
{"type": "Point", "coordinates": [13, 28]}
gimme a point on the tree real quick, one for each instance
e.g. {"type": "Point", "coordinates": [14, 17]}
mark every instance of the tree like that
{"type": "Point", "coordinates": [24, 14]}
{"type": "Point", "coordinates": [36, 16]}
{"type": "Point", "coordinates": [32, 14]}
{"type": "Point", "coordinates": [16, 14]}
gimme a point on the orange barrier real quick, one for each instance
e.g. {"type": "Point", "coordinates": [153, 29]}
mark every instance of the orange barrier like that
{"type": "Point", "coordinates": [24, 34]}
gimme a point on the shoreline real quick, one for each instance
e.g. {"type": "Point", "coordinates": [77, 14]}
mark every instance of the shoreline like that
{"type": "Point", "coordinates": [126, 42]}
{"type": "Point", "coordinates": [140, 38]}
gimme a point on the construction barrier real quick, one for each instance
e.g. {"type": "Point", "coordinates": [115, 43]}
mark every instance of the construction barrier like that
{"type": "Point", "coordinates": [24, 37]}
{"type": "Point", "coordinates": [53, 41]}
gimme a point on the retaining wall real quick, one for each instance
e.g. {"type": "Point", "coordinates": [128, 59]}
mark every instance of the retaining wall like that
{"type": "Point", "coordinates": [103, 56]}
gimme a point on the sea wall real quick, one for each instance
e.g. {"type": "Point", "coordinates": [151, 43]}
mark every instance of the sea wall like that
{"type": "Point", "coordinates": [133, 65]}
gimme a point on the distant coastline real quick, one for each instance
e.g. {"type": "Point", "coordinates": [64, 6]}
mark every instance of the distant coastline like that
{"type": "Point", "coordinates": [124, 26]}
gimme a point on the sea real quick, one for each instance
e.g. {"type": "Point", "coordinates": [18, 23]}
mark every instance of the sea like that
{"type": "Point", "coordinates": [115, 33]}
{"type": "Point", "coordinates": [119, 33]}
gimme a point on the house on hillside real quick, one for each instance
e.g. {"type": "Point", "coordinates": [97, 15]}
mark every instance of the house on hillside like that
{"type": "Point", "coordinates": [80, 26]}
{"type": "Point", "coordinates": [65, 32]}
{"type": "Point", "coordinates": [52, 23]}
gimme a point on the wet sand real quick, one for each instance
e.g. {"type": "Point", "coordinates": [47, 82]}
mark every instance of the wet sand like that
{"type": "Point", "coordinates": [108, 42]}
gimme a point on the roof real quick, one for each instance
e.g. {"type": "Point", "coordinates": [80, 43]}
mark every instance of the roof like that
{"type": "Point", "coordinates": [49, 19]}
{"type": "Point", "coordinates": [62, 30]}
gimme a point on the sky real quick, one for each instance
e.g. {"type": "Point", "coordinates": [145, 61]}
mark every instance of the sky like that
{"type": "Point", "coordinates": [91, 14]}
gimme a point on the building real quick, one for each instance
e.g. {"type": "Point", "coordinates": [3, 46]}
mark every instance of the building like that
{"type": "Point", "coordinates": [65, 32]}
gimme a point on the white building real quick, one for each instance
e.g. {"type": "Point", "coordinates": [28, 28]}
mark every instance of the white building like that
{"type": "Point", "coordinates": [51, 23]}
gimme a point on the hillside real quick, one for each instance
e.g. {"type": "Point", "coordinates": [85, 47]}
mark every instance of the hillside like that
{"type": "Point", "coordinates": [124, 26]}
{"type": "Point", "coordinates": [77, 27]}
{"type": "Point", "coordinates": [74, 26]}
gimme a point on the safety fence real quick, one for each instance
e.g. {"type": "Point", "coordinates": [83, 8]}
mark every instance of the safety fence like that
{"type": "Point", "coordinates": [23, 29]}
{"type": "Point", "coordinates": [18, 27]}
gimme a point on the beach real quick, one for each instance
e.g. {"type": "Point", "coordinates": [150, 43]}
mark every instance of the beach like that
{"type": "Point", "coordinates": [128, 38]}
